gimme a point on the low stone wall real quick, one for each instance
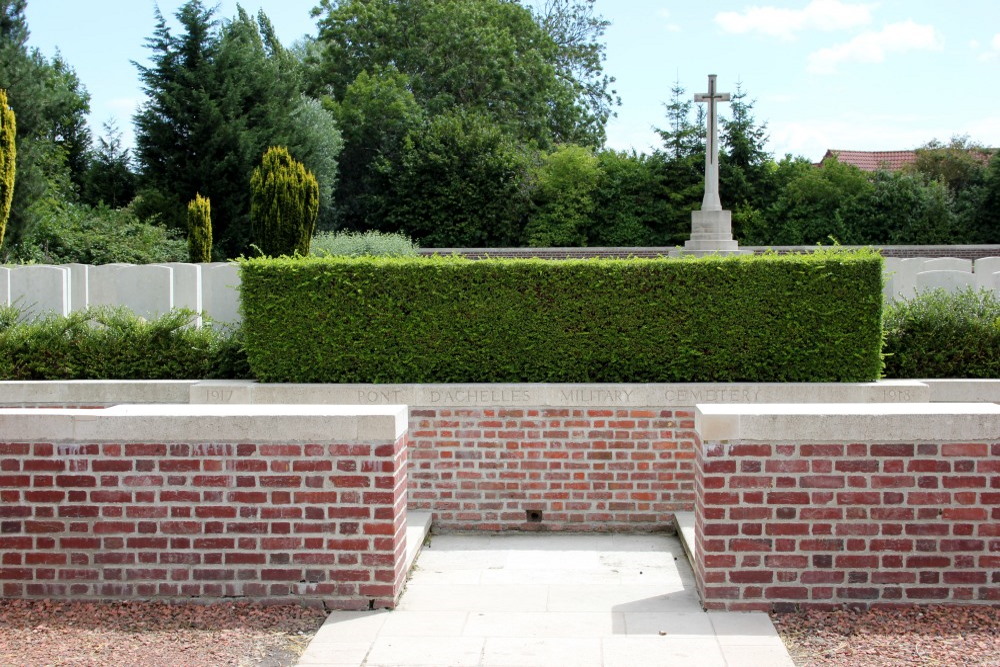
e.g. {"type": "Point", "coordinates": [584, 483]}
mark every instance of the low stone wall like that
{"type": "Point", "coordinates": [820, 506]}
{"type": "Point", "coordinates": [283, 503]}
{"type": "Point", "coordinates": [580, 457]}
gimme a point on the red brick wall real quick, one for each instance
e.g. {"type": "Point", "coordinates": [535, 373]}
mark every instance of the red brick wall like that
{"type": "Point", "coordinates": [314, 523]}
{"type": "Point", "coordinates": [584, 469]}
{"type": "Point", "coordinates": [785, 525]}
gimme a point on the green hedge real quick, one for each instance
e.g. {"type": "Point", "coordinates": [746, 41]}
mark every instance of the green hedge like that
{"type": "Point", "coordinates": [114, 344]}
{"type": "Point", "coordinates": [802, 318]}
{"type": "Point", "coordinates": [941, 335]}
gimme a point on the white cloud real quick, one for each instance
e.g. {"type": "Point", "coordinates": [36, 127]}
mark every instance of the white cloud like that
{"type": "Point", "coordinates": [671, 27]}
{"type": "Point", "coordinates": [778, 22]}
{"type": "Point", "coordinates": [996, 42]}
{"type": "Point", "coordinates": [873, 47]}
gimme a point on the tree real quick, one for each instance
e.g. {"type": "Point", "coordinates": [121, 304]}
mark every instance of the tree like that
{"type": "Point", "coordinates": [579, 61]}
{"type": "Point", "coordinates": [814, 204]}
{"type": "Point", "coordinates": [284, 204]}
{"type": "Point", "coordinates": [540, 78]}
{"type": "Point", "coordinates": [8, 160]}
{"type": "Point", "coordinates": [459, 183]}
{"type": "Point", "coordinates": [683, 138]}
{"type": "Point", "coordinates": [217, 97]}
{"type": "Point", "coordinates": [630, 201]}
{"type": "Point", "coordinates": [958, 164]}
{"type": "Point", "coordinates": [109, 178]}
{"type": "Point", "coordinates": [199, 215]}
{"type": "Point", "coordinates": [564, 184]}
{"type": "Point", "coordinates": [378, 111]}
{"type": "Point", "coordinates": [986, 222]}
{"type": "Point", "coordinates": [744, 162]}
{"type": "Point", "coordinates": [50, 105]}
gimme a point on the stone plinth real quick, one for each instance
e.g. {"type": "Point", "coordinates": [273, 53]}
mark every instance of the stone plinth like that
{"type": "Point", "coordinates": [711, 234]}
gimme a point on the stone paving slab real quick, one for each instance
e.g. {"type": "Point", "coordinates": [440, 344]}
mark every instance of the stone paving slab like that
{"type": "Point", "coordinates": [548, 600]}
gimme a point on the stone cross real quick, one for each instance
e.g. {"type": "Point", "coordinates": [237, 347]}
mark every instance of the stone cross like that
{"type": "Point", "coordinates": [711, 201]}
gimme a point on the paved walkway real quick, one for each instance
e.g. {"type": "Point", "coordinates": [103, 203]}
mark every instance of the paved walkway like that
{"type": "Point", "coordinates": [543, 600]}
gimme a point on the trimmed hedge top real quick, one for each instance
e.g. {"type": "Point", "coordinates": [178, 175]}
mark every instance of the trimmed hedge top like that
{"type": "Point", "coordinates": [792, 318]}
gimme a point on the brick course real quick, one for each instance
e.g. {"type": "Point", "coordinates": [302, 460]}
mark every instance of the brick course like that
{"type": "Point", "coordinates": [584, 469]}
{"type": "Point", "coordinates": [787, 525]}
{"type": "Point", "coordinates": [314, 523]}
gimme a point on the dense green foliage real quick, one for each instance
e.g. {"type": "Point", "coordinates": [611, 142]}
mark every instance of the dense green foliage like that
{"type": "Point", "coordinates": [439, 98]}
{"type": "Point", "coordinates": [357, 244]}
{"type": "Point", "coordinates": [199, 229]}
{"type": "Point", "coordinates": [8, 160]}
{"type": "Point", "coordinates": [109, 179]}
{"type": "Point", "coordinates": [284, 204]}
{"type": "Point", "coordinates": [217, 98]}
{"type": "Point", "coordinates": [51, 106]}
{"type": "Point", "coordinates": [941, 335]}
{"type": "Point", "coordinates": [67, 233]}
{"type": "Point", "coordinates": [807, 318]}
{"type": "Point", "coordinates": [102, 344]}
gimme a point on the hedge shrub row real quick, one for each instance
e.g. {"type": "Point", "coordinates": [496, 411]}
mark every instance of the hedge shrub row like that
{"type": "Point", "coordinates": [114, 344]}
{"type": "Point", "coordinates": [941, 335]}
{"type": "Point", "coordinates": [801, 318]}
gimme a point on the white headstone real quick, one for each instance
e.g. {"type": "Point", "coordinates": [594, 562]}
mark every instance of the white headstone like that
{"type": "Point", "coordinates": [948, 264]}
{"type": "Point", "coordinates": [103, 284]}
{"type": "Point", "coordinates": [904, 282]}
{"type": "Point", "coordinates": [220, 291]}
{"type": "Point", "coordinates": [4, 286]}
{"type": "Point", "coordinates": [79, 286]}
{"type": "Point", "coordinates": [983, 270]}
{"type": "Point", "coordinates": [146, 290]}
{"type": "Point", "coordinates": [40, 289]}
{"type": "Point", "coordinates": [889, 270]}
{"type": "Point", "coordinates": [187, 286]}
{"type": "Point", "coordinates": [950, 281]}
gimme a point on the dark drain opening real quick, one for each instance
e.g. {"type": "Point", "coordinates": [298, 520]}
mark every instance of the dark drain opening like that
{"type": "Point", "coordinates": [533, 516]}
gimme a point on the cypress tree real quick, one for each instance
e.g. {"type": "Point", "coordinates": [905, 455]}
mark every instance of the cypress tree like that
{"type": "Point", "coordinates": [199, 219]}
{"type": "Point", "coordinates": [284, 204]}
{"type": "Point", "coordinates": [8, 156]}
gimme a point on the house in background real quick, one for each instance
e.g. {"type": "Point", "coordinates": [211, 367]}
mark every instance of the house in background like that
{"type": "Point", "coordinates": [873, 160]}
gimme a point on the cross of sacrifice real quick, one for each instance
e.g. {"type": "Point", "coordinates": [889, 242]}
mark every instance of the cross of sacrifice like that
{"type": "Point", "coordinates": [711, 201]}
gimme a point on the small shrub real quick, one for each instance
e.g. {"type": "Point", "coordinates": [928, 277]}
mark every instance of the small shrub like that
{"type": "Point", "coordinates": [363, 244]}
{"type": "Point", "coordinates": [942, 335]}
{"type": "Point", "coordinates": [8, 158]}
{"type": "Point", "coordinates": [200, 229]}
{"type": "Point", "coordinates": [284, 204]}
{"type": "Point", "coordinates": [114, 344]}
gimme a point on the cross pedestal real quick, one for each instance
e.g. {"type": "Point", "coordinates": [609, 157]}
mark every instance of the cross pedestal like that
{"type": "Point", "coordinates": [711, 227]}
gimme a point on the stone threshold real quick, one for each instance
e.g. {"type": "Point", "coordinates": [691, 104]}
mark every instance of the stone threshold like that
{"type": "Point", "coordinates": [684, 524]}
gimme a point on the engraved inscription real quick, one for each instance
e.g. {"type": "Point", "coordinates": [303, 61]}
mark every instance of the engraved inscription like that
{"type": "Point", "coordinates": [595, 396]}
{"type": "Point", "coordinates": [692, 396]}
{"type": "Point", "coordinates": [895, 395]}
{"type": "Point", "coordinates": [388, 396]}
{"type": "Point", "coordinates": [220, 395]}
{"type": "Point", "coordinates": [476, 396]}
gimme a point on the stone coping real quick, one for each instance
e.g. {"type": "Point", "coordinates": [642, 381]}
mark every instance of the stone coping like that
{"type": "Point", "coordinates": [83, 392]}
{"type": "Point", "coordinates": [559, 395]}
{"type": "Point", "coordinates": [658, 395]}
{"type": "Point", "coordinates": [850, 422]}
{"type": "Point", "coordinates": [207, 423]}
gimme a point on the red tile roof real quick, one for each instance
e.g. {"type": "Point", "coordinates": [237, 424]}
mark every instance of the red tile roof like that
{"type": "Point", "coordinates": [873, 160]}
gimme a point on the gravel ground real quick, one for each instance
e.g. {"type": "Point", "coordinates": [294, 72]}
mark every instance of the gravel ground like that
{"type": "Point", "coordinates": [153, 633]}
{"type": "Point", "coordinates": [934, 635]}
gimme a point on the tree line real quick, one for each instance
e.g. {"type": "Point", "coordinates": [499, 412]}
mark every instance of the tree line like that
{"type": "Point", "coordinates": [459, 123]}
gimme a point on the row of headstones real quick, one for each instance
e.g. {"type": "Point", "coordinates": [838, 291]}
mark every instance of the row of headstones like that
{"type": "Point", "coordinates": [908, 277]}
{"type": "Point", "coordinates": [149, 290]}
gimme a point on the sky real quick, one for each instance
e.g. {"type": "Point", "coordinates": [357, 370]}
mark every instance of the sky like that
{"type": "Point", "coordinates": [822, 74]}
